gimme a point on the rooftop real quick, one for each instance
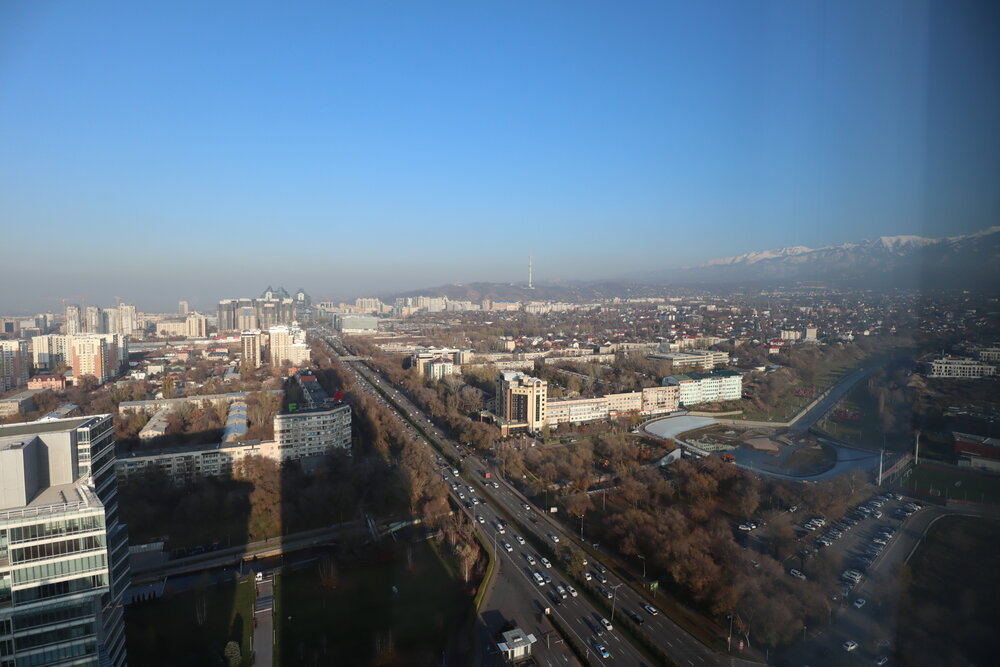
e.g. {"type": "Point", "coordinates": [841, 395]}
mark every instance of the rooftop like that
{"type": "Point", "coordinates": [29, 428]}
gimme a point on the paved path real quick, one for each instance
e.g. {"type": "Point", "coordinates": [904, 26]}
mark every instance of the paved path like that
{"type": "Point", "coordinates": [263, 616]}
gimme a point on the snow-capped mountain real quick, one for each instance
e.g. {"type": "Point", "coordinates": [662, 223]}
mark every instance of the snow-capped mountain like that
{"type": "Point", "coordinates": [958, 261]}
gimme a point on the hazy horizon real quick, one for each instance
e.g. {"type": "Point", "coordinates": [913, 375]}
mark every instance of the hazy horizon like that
{"type": "Point", "coordinates": [203, 152]}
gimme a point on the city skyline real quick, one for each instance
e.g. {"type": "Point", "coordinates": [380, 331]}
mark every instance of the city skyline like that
{"type": "Point", "coordinates": [445, 143]}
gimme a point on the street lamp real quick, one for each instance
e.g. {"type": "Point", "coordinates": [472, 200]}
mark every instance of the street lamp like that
{"type": "Point", "coordinates": [643, 559]}
{"type": "Point", "coordinates": [614, 598]}
{"type": "Point", "coordinates": [729, 642]}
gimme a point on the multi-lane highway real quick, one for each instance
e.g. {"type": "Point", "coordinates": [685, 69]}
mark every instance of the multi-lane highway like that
{"type": "Point", "coordinates": [578, 615]}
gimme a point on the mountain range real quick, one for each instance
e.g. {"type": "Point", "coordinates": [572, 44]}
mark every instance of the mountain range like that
{"type": "Point", "coordinates": [970, 261]}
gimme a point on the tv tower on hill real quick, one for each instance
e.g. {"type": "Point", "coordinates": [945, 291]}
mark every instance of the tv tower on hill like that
{"type": "Point", "coordinates": [530, 286]}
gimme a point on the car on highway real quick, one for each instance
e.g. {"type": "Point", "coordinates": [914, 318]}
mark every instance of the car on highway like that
{"type": "Point", "coordinates": [745, 527]}
{"type": "Point", "coordinates": [636, 618]}
{"type": "Point", "coordinates": [607, 624]}
{"type": "Point", "coordinates": [545, 562]}
{"type": "Point", "coordinates": [520, 540]}
{"type": "Point", "coordinates": [526, 506]}
{"type": "Point", "coordinates": [600, 577]}
{"type": "Point", "coordinates": [530, 559]}
{"type": "Point", "coordinates": [601, 649]}
{"type": "Point", "coordinates": [594, 627]}
{"type": "Point", "coordinates": [572, 591]}
{"type": "Point", "coordinates": [850, 645]}
{"type": "Point", "coordinates": [507, 547]}
{"type": "Point", "coordinates": [587, 576]}
{"type": "Point", "coordinates": [651, 609]}
{"type": "Point", "coordinates": [605, 592]}
{"type": "Point", "coordinates": [554, 538]}
{"type": "Point", "coordinates": [881, 660]}
{"type": "Point", "coordinates": [537, 576]}
{"type": "Point", "coordinates": [480, 519]}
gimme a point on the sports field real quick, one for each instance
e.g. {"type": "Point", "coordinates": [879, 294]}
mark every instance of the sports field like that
{"type": "Point", "coordinates": [944, 484]}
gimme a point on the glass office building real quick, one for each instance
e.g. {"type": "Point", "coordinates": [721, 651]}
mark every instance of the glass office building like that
{"type": "Point", "coordinates": [63, 553]}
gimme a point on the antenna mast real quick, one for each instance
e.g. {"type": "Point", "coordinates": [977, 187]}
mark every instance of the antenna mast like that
{"type": "Point", "coordinates": [529, 273]}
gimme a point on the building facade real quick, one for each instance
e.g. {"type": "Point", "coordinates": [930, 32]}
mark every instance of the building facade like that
{"type": "Point", "coordinates": [14, 364]}
{"type": "Point", "coordinates": [63, 552]}
{"type": "Point", "coordinates": [695, 388]}
{"type": "Point", "coordinates": [521, 400]}
{"type": "Point", "coordinates": [288, 344]}
{"type": "Point", "coordinates": [251, 342]}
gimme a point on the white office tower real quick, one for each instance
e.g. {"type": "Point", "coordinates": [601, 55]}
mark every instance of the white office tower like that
{"type": "Point", "coordinates": [63, 553]}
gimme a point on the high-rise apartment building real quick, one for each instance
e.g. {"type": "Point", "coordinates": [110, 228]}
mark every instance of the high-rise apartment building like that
{"type": "Point", "coordinates": [183, 308]}
{"type": "Point", "coordinates": [128, 321]}
{"type": "Point", "coordinates": [63, 553]}
{"type": "Point", "coordinates": [49, 351]}
{"type": "Point", "coordinates": [251, 348]}
{"type": "Point", "coordinates": [94, 320]}
{"type": "Point", "coordinates": [14, 364]}
{"type": "Point", "coordinates": [196, 325]}
{"type": "Point", "coordinates": [274, 307]}
{"type": "Point", "coordinates": [72, 325]}
{"type": "Point", "coordinates": [288, 344]}
{"type": "Point", "coordinates": [521, 400]}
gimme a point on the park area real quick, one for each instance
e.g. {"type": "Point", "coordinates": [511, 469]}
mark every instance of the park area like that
{"type": "Point", "coordinates": [191, 627]}
{"type": "Point", "coordinates": [948, 612]}
{"type": "Point", "coordinates": [397, 607]}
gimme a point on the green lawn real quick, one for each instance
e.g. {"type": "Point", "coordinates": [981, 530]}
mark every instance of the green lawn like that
{"type": "Point", "coordinates": [957, 484]}
{"type": "Point", "coordinates": [167, 631]}
{"type": "Point", "coordinates": [362, 618]}
{"type": "Point", "coordinates": [948, 613]}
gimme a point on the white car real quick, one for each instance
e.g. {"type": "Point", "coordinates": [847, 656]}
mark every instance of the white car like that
{"type": "Point", "coordinates": [507, 547]}
{"type": "Point", "coordinates": [797, 574]}
{"type": "Point", "coordinates": [572, 591]}
{"type": "Point", "coordinates": [554, 538]}
{"type": "Point", "coordinates": [520, 540]}
{"type": "Point", "coordinates": [530, 559]}
{"type": "Point", "coordinates": [850, 645]}
{"type": "Point", "coordinates": [526, 506]}
{"type": "Point", "coordinates": [545, 562]}
{"type": "Point", "coordinates": [651, 609]}
{"type": "Point", "coordinates": [607, 624]}
{"type": "Point", "coordinates": [586, 575]}
{"type": "Point", "coordinates": [480, 519]}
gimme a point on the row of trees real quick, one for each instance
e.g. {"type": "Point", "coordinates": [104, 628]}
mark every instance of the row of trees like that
{"type": "Point", "coordinates": [445, 401]}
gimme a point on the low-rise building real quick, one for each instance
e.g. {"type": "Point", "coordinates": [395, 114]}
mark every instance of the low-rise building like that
{"type": "Point", "coordinates": [299, 435]}
{"type": "Point", "coordinates": [695, 388]}
{"type": "Point", "coordinates": [961, 368]}
{"type": "Point", "coordinates": [156, 426]}
{"type": "Point", "coordinates": [22, 402]}
{"type": "Point", "coordinates": [51, 381]}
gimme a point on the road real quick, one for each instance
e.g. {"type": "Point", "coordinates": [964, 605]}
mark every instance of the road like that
{"type": "Point", "coordinates": [579, 615]}
{"type": "Point", "coordinates": [805, 420]}
{"type": "Point", "coordinates": [263, 618]}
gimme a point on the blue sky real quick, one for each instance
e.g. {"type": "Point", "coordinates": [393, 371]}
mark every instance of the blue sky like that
{"type": "Point", "coordinates": [202, 150]}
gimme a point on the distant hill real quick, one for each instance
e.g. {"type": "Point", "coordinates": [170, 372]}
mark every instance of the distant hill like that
{"type": "Point", "coordinates": [569, 292]}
